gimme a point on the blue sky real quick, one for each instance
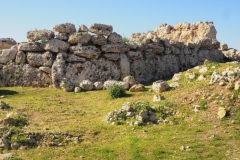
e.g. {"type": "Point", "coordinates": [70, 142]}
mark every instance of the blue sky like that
{"type": "Point", "coordinates": [126, 16]}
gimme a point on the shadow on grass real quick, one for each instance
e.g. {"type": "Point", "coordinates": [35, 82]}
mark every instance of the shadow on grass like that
{"type": "Point", "coordinates": [7, 92]}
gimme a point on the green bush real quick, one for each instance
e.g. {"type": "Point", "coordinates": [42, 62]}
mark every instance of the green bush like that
{"type": "Point", "coordinates": [116, 91]}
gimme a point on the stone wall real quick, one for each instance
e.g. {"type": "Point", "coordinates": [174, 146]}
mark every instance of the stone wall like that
{"type": "Point", "coordinates": [99, 54]}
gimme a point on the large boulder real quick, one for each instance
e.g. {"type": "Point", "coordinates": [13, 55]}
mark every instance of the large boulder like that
{"type": "Point", "coordinates": [134, 55]}
{"type": "Point", "coordinates": [116, 48]}
{"type": "Point", "coordinates": [101, 29]}
{"type": "Point", "coordinates": [137, 88]}
{"type": "Point", "coordinates": [86, 51]}
{"type": "Point", "coordinates": [65, 28]}
{"type": "Point", "coordinates": [124, 65]}
{"type": "Point", "coordinates": [38, 59]}
{"type": "Point", "coordinates": [155, 48]}
{"type": "Point", "coordinates": [8, 54]}
{"type": "Point", "coordinates": [56, 46]}
{"type": "Point", "coordinates": [115, 38]}
{"type": "Point", "coordinates": [83, 28]}
{"type": "Point", "coordinates": [79, 37]}
{"type": "Point", "coordinates": [58, 69]}
{"type": "Point", "coordinates": [130, 80]}
{"type": "Point", "coordinates": [62, 36]}
{"type": "Point", "coordinates": [232, 54]}
{"type": "Point", "coordinates": [33, 36]}
{"type": "Point", "coordinates": [7, 43]}
{"type": "Point", "coordinates": [99, 40]}
{"type": "Point", "coordinates": [74, 58]}
{"type": "Point", "coordinates": [160, 86]}
{"type": "Point", "coordinates": [30, 47]}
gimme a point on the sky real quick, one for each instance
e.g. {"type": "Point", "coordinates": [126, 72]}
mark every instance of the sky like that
{"type": "Point", "coordinates": [126, 16]}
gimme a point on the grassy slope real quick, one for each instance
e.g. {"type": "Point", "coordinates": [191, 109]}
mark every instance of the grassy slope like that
{"type": "Point", "coordinates": [83, 114]}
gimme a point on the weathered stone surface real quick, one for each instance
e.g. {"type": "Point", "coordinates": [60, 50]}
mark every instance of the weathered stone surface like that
{"type": "Point", "coordinates": [20, 57]}
{"type": "Point", "coordinates": [83, 28]}
{"type": "Point", "coordinates": [160, 86]}
{"type": "Point", "coordinates": [94, 70]}
{"type": "Point", "coordinates": [62, 36]}
{"type": "Point", "coordinates": [24, 75]}
{"type": "Point", "coordinates": [237, 85]}
{"type": "Point", "coordinates": [112, 56]}
{"type": "Point", "coordinates": [174, 84]}
{"type": "Point", "coordinates": [79, 37]}
{"type": "Point", "coordinates": [221, 112]}
{"type": "Point", "coordinates": [7, 43]}
{"type": "Point", "coordinates": [115, 38]}
{"type": "Point", "coordinates": [134, 55]}
{"type": "Point", "coordinates": [223, 47]}
{"type": "Point", "coordinates": [56, 46]}
{"type": "Point", "coordinates": [155, 48]}
{"type": "Point", "coordinates": [86, 85]}
{"type": "Point", "coordinates": [130, 80]}
{"type": "Point", "coordinates": [232, 54]}
{"type": "Point", "coordinates": [124, 65]}
{"type": "Point", "coordinates": [46, 69]}
{"type": "Point", "coordinates": [116, 48]}
{"type": "Point", "coordinates": [99, 40]}
{"type": "Point", "coordinates": [40, 35]}
{"type": "Point", "coordinates": [77, 89]}
{"type": "Point", "coordinates": [30, 47]}
{"type": "Point", "coordinates": [65, 28]}
{"type": "Point", "coordinates": [137, 88]}
{"type": "Point", "coordinates": [98, 85]}
{"type": "Point", "coordinates": [8, 55]}
{"type": "Point", "coordinates": [38, 59]}
{"type": "Point", "coordinates": [6, 156]}
{"type": "Point", "coordinates": [101, 29]}
{"type": "Point", "coordinates": [74, 58]}
{"type": "Point", "coordinates": [58, 69]}
{"type": "Point", "coordinates": [109, 83]}
{"type": "Point", "coordinates": [86, 51]}
{"type": "Point", "coordinates": [66, 85]}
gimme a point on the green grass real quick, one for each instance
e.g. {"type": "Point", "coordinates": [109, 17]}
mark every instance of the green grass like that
{"type": "Point", "coordinates": [83, 114]}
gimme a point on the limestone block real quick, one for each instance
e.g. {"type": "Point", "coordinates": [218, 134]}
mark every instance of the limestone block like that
{"type": "Point", "coordinates": [99, 40]}
{"type": "Point", "coordinates": [65, 28]}
{"type": "Point", "coordinates": [160, 86]}
{"type": "Point", "coordinates": [38, 59]}
{"type": "Point", "coordinates": [7, 43]}
{"type": "Point", "coordinates": [62, 36]}
{"type": "Point", "coordinates": [112, 56]}
{"type": "Point", "coordinates": [20, 57]}
{"type": "Point", "coordinates": [8, 54]}
{"type": "Point", "coordinates": [79, 37]}
{"type": "Point", "coordinates": [101, 29]}
{"type": "Point", "coordinates": [116, 48]}
{"type": "Point", "coordinates": [40, 35]}
{"type": "Point", "coordinates": [114, 38]}
{"type": "Point", "coordinates": [30, 47]}
{"type": "Point", "coordinates": [83, 28]}
{"type": "Point", "coordinates": [86, 51]}
{"type": "Point", "coordinates": [56, 46]}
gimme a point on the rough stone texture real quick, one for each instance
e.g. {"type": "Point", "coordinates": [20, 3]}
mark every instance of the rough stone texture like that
{"type": "Point", "coordinates": [46, 69]}
{"type": "Point", "coordinates": [33, 36]}
{"type": "Point", "coordinates": [115, 38]}
{"type": "Point", "coordinates": [8, 55]}
{"type": "Point", "coordinates": [98, 85]}
{"type": "Point", "coordinates": [99, 40]}
{"type": "Point", "coordinates": [56, 46]}
{"type": "Point", "coordinates": [77, 89]}
{"type": "Point", "coordinates": [74, 58]}
{"type": "Point", "coordinates": [223, 47]}
{"type": "Point", "coordinates": [30, 47]}
{"type": "Point", "coordinates": [79, 37]}
{"type": "Point", "coordinates": [38, 59]}
{"type": "Point", "coordinates": [112, 56]}
{"type": "Point", "coordinates": [155, 48]}
{"type": "Point", "coordinates": [62, 36]}
{"type": "Point", "coordinates": [160, 86]}
{"type": "Point", "coordinates": [232, 54]}
{"type": "Point", "coordinates": [124, 66]}
{"type": "Point", "coordinates": [24, 75]}
{"type": "Point", "coordinates": [66, 85]}
{"type": "Point", "coordinates": [20, 57]}
{"type": "Point", "coordinates": [109, 83]}
{"type": "Point", "coordinates": [86, 85]}
{"type": "Point", "coordinates": [86, 51]}
{"type": "Point", "coordinates": [95, 70]}
{"type": "Point", "coordinates": [137, 88]}
{"type": "Point", "coordinates": [134, 55]}
{"type": "Point", "coordinates": [58, 69]}
{"type": "Point", "coordinates": [65, 28]}
{"type": "Point", "coordinates": [101, 29]}
{"type": "Point", "coordinates": [83, 28]}
{"type": "Point", "coordinates": [7, 43]}
{"type": "Point", "coordinates": [157, 98]}
{"type": "Point", "coordinates": [130, 80]}
{"type": "Point", "coordinates": [187, 33]}
{"type": "Point", "coordinates": [116, 48]}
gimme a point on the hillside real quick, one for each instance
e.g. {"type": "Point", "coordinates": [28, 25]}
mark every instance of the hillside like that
{"type": "Point", "coordinates": [53, 124]}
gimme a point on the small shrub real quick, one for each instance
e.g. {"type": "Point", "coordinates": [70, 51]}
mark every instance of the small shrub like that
{"type": "Point", "coordinates": [125, 40]}
{"type": "Point", "coordinates": [203, 105]}
{"type": "Point", "coordinates": [4, 105]}
{"type": "Point", "coordinates": [116, 91]}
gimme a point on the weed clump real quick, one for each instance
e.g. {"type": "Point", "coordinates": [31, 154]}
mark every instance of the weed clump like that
{"type": "Point", "coordinates": [116, 91]}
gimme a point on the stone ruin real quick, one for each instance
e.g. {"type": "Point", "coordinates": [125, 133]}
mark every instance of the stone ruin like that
{"type": "Point", "coordinates": [99, 54]}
